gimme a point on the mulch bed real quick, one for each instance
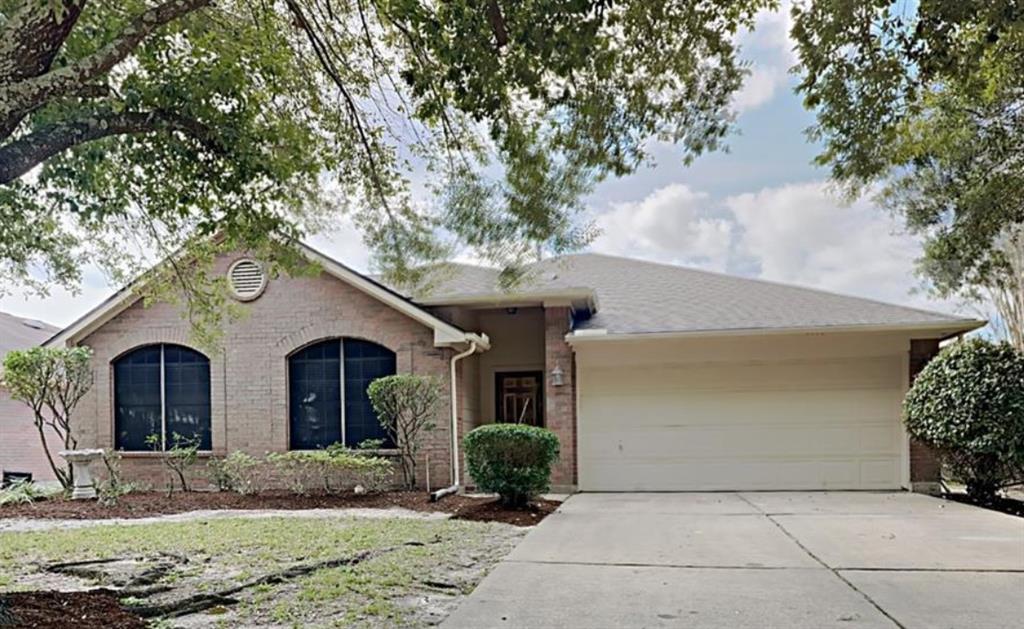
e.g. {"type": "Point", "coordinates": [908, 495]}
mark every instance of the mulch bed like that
{"type": "Point", "coordinates": [1004, 505]}
{"type": "Point", "coordinates": [145, 504]}
{"type": "Point", "coordinates": [94, 609]}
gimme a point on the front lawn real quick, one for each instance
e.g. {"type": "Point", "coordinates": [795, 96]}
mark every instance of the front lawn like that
{"type": "Point", "coordinates": [329, 571]}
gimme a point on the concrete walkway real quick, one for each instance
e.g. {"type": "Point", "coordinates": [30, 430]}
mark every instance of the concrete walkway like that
{"type": "Point", "coordinates": [733, 560]}
{"type": "Point", "coordinates": [23, 525]}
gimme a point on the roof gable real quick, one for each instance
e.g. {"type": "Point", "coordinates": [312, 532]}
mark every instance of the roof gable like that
{"type": "Point", "coordinates": [445, 334]}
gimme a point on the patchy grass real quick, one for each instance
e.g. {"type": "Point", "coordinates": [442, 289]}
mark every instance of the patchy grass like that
{"type": "Point", "coordinates": [417, 572]}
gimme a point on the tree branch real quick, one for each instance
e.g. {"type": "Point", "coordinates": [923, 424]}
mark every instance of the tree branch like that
{"type": "Point", "coordinates": [29, 93]}
{"type": "Point", "coordinates": [23, 154]}
{"type": "Point", "coordinates": [29, 41]}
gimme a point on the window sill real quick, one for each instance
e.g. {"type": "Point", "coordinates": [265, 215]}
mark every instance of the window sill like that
{"type": "Point", "coordinates": [378, 452]}
{"type": "Point", "coordinates": [138, 454]}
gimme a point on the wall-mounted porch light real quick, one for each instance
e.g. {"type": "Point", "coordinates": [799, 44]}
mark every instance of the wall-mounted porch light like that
{"type": "Point", "coordinates": [557, 376]}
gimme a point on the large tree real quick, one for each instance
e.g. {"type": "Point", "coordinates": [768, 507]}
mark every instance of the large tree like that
{"type": "Point", "coordinates": [131, 129]}
{"type": "Point", "coordinates": [924, 103]}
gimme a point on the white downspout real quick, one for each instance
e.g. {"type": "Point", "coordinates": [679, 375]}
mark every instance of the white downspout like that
{"type": "Point", "coordinates": [454, 487]}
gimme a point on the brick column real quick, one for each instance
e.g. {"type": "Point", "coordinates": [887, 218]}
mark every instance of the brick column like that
{"type": "Point", "coordinates": [560, 401]}
{"type": "Point", "coordinates": [925, 471]}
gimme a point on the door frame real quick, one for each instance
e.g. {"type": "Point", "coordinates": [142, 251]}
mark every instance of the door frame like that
{"type": "Point", "coordinates": [519, 373]}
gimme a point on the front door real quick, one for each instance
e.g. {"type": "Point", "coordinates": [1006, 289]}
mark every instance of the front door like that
{"type": "Point", "coordinates": [519, 397]}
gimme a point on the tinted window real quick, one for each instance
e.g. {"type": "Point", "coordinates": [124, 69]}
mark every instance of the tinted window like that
{"type": "Point", "coordinates": [317, 393]}
{"type": "Point", "coordinates": [364, 363]}
{"type": "Point", "coordinates": [142, 407]}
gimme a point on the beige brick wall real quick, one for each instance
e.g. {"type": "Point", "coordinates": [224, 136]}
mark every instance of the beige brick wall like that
{"type": "Point", "coordinates": [925, 470]}
{"type": "Point", "coordinates": [249, 379]}
{"type": "Point", "coordinates": [20, 447]}
{"type": "Point", "coordinates": [560, 401]}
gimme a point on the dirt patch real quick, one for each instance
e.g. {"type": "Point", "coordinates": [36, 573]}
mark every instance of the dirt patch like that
{"type": "Point", "coordinates": [95, 609]}
{"type": "Point", "coordinates": [147, 504]}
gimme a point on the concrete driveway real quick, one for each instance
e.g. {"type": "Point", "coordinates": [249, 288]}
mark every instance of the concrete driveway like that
{"type": "Point", "coordinates": [730, 560]}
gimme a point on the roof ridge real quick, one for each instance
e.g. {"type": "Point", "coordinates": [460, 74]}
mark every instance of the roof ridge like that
{"type": "Point", "coordinates": [759, 280]}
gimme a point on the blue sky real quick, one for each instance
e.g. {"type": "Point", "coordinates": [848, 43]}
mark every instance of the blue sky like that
{"type": "Point", "coordinates": [762, 209]}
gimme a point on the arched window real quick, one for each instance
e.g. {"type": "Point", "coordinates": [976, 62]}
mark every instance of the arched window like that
{"type": "Point", "coordinates": [161, 390]}
{"type": "Point", "coordinates": [328, 401]}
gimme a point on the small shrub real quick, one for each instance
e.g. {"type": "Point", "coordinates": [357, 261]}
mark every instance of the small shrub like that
{"type": "Point", "coordinates": [968, 404]}
{"type": "Point", "coordinates": [512, 460]}
{"type": "Point", "coordinates": [244, 473]}
{"type": "Point", "coordinates": [24, 492]}
{"type": "Point", "coordinates": [111, 485]}
{"type": "Point", "coordinates": [330, 471]}
{"type": "Point", "coordinates": [182, 455]}
{"type": "Point", "coordinates": [406, 405]}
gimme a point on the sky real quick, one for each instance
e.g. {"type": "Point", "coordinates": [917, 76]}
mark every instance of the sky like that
{"type": "Point", "coordinates": [761, 209]}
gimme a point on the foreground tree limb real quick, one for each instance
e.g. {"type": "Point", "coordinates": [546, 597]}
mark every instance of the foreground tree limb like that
{"type": "Point", "coordinates": [20, 156]}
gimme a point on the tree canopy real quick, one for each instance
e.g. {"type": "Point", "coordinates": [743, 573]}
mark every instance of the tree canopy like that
{"type": "Point", "coordinates": [924, 102]}
{"type": "Point", "coordinates": [131, 130]}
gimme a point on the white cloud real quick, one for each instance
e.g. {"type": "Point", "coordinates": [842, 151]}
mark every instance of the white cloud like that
{"type": "Point", "coordinates": [773, 53]}
{"type": "Point", "coordinates": [793, 233]}
{"type": "Point", "coordinates": [802, 234]}
{"type": "Point", "coordinates": [671, 224]}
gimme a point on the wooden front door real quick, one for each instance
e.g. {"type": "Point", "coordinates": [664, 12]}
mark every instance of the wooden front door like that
{"type": "Point", "coordinates": [519, 397]}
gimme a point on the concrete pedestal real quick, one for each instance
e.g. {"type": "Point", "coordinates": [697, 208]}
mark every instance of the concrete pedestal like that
{"type": "Point", "coordinates": [81, 461]}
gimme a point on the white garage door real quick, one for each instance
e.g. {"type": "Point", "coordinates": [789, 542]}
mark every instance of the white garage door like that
{"type": "Point", "coordinates": [821, 424]}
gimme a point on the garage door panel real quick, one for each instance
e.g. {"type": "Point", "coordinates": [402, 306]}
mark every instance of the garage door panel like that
{"type": "Point", "coordinates": [878, 372]}
{"type": "Point", "coordinates": [766, 441]}
{"type": "Point", "coordinates": [739, 407]}
{"type": "Point", "coordinates": [793, 425]}
{"type": "Point", "coordinates": [727, 475]}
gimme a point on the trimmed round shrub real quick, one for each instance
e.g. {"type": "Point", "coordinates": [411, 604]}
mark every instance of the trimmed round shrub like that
{"type": "Point", "coordinates": [968, 404]}
{"type": "Point", "coordinates": [511, 460]}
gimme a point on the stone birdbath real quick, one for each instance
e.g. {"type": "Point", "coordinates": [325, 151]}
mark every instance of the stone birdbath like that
{"type": "Point", "coordinates": [81, 461]}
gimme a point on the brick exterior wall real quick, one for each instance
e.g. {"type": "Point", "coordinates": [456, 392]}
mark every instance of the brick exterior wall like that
{"type": "Point", "coordinates": [560, 401]}
{"type": "Point", "coordinates": [249, 377]}
{"type": "Point", "coordinates": [925, 471]}
{"type": "Point", "coordinates": [20, 449]}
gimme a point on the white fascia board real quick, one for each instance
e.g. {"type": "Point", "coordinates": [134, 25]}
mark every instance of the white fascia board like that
{"type": "Point", "coordinates": [940, 329]}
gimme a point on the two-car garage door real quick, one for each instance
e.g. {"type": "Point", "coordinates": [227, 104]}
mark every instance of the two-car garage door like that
{"type": "Point", "coordinates": [796, 424]}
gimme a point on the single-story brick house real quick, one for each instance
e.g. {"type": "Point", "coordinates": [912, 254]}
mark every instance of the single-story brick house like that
{"type": "Point", "coordinates": [654, 377]}
{"type": "Point", "coordinates": [21, 451]}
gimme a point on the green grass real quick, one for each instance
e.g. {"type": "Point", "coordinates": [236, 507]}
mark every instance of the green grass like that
{"type": "Point", "coordinates": [223, 552]}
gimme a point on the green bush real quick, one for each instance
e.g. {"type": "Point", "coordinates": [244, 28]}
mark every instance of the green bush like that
{"type": "Point", "coordinates": [240, 472]}
{"type": "Point", "coordinates": [24, 492]}
{"type": "Point", "coordinates": [512, 460]}
{"type": "Point", "coordinates": [968, 404]}
{"type": "Point", "coordinates": [333, 470]}
{"type": "Point", "coordinates": [406, 405]}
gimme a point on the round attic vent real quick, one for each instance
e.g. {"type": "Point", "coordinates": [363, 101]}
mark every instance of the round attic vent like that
{"type": "Point", "coordinates": [247, 279]}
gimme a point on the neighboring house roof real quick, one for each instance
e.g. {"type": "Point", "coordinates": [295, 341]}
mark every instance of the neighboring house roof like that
{"type": "Point", "coordinates": [639, 297]}
{"type": "Point", "coordinates": [20, 333]}
{"type": "Point", "coordinates": [444, 332]}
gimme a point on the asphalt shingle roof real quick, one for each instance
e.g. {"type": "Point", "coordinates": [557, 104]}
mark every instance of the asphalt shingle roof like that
{"type": "Point", "coordinates": [637, 297]}
{"type": "Point", "coordinates": [20, 333]}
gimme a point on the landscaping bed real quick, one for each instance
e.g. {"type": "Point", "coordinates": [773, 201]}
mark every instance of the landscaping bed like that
{"type": "Point", "coordinates": [94, 609]}
{"type": "Point", "coordinates": [275, 571]}
{"type": "Point", "coordinates": [1002, 504]}
{"type": "Point", "coordinates": [146, 504]}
